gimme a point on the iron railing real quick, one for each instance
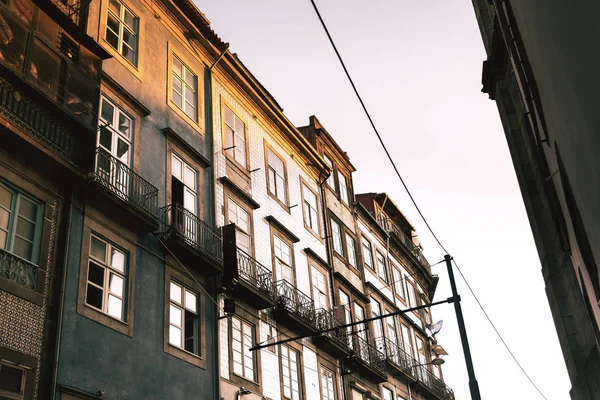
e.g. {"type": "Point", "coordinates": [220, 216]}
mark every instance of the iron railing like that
{"type": "Point", "coordinates": [255, 273]}
{"type": "Point", "coordinates": [293, 300]}
{"type": "Point", "coordinates": [119, 179]}
{"type": "Point", "coordinates": [369, 354]}
{"type": "Point", "coordinates": [72, 8]}
{"type": "Point", "coordinates": [40, 124]}
{"type": "Point", "coordinates": [18, 270]}
{"type": "Point", "coordinates": [325, 319]}
{"type": "Point", "coordinates": [193, 231]}
{"type": "Point", "coordinates": [395, 354]}
{"type": "Point", "coordinates": [388, 225]}
{"type": "Point", "coordinates": [433, 383]}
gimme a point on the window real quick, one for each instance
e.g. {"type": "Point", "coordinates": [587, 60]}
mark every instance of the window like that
{"type": "Point", "coordinates": [382, 267]}
{"type": "Point", "coordinates": [331, 177]}
{"type": "Point", "coordinates": [184, 89]}
{"type": "Point", "coordinates": [276, 176]}
{"type": "Point", "coordinates": [290, 373]}
{"type": "Point", "coordinates": [336, 234]}
{"type": "Point", "coordinates": [12, 381]}
{"type": "Point", "coordinates": [183, 318]}
{"type": "Point", "coordinates": [407, 341]}
{"type": "Point", "coordinates": [361, 331]}
{"type": "Point", "coordinates": [235, 137]}
{"type": "Point", "coordinates": [412, 301]}
{"type": "Point", "coordinates": [345, 305]}
{"type": "Point", "coordinates": [421, 350]}
{"type": "Point", "coordinates": [387, 394]}
{"type": "Point", "coordinates": [398, 282]}
{"type": "Point", "coordinates": [283, 260]}
{"type": "Point", "coordinates": [311, 214]}
{"type": "Point", "coordinates": [351, 249]}
{"type": "Point", "coordinates": [343, 187]}
{"type": "Point", "coordinates": [377, 324]}
{"type": "Point", "coordinates": [327, 384]}
{"type": "Point", "coordinates": [106, 278]}
{"type": "Point", "coordinates": [122, 29]}
{"type": "Point", "coordinates": [183, 184]}
{"type": "Point", "coordinates": [241, 219]}
{"type": "Point", "coordinates": [319, 286]}
{"type": "Point", "coordinates": [242, 338]}
{"type": "Point", "coordinates": [114, 136]}
{"type": "Point", "coordinates": [20, 224]}
{"type": "Point", "coordinates": [367, 253]}
{"type": "Point", "coordinates": [391, 330]}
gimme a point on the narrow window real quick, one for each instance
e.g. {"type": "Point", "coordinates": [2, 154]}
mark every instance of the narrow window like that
{"type": "Point", "coordinates": [183, 318]}
{"type": "Point", "coordinates": [319, 284]}
{"type": "Point", "coordinates": [183, 185]}
{"type": "Point", "coordinates": [20, 224]}
{"type": "Point", "coordinates": [367, 253]}
{"type": "Point", "coordinates": [235, 137]}
{"type": "Point", "coordinates": [382, 267]}
{"type": "Point", "coordinates": [343, 187]}
{"type": "Point", "coordinates": [336, 234]}
{"type": "Point", "coordinates": [242, 339]}
{"type": "Point", "coordinates": [391, 330]}
{"type": "Point", "coordinates": [107, 278]}
{"type": "Point", "coordinates": [12, 382]}
{"type": "Point", "coordinates": [276, 177]}
{"type": "Point", "coordinates": [361, 332]}
{"type": "Point", "coordinates": [398, 282]}
{"type": "Point", "coordinates": [327, 384]}
{"type": "Point", "coordinates": [331, 177]}
{"type": "Point", "coordinates": [412, 301]}
{"type": "Point", "coordinates": [241, 218]}
{"type": "Point", "coordinates": [407, 341]}
{"type": "Point", "coordinates": [290, 373]}
{"type": "Point", "coordinates": [347, 314]}
{"type": "Point", "coordinates": [351, 249]}
{"type": "Point", "coordinates": [283, 260]}
{"type": "Point", "coordinates": [387, 394]}
{"type": "Point", "coordinates": [122, 30]}
{"type": "Point", "coordinates": [114, 135]}
{"type": "Point", "coordinates": [378, 323]}
{"type": "Point", "coordinates": [184, 89]}
{"type": "Point", "coordinates": [311, 214]}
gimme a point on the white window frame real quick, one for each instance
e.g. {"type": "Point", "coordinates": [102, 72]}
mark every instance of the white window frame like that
{"type": "Point", "coordinates": [311, 211]}
{"type": "Point", "coordinates": [186, 88]}
{"type": "Point", "coordinates": [245, 340]}
{"type": "Point", "coordinates": [327, 384]}
{"type": "Point", "coordinates": [183, 305]}
{"type": "Point", "coordinates": [189, 185]}
{"type": "Point", "coordinates": [336, 236]}
{"type": "Point", "coordinates": [351, 250]}
{"type": "Point", "coordinates": [367, 252]}
{"type": "Point", "coordinates": [283, 260]}
{"type": "Point", "coordinates": [235, 213]}
{"type": "Point", "coordinates": [290, 369]}
{"type": "Point", "coordinates": [277, 180]}
{"type": "Point", "coordinates": [320, 288]}
{"type": "Point", "coordinates": [133, 30]}
{"type": "Point", "coordinates": [343, 184]}
{"type": "Point", "coordinates": [382, 266]}
{"type": "Point", "coordinates": [113, 126]}
{"type": "Point", "coordinates": [236, 146]}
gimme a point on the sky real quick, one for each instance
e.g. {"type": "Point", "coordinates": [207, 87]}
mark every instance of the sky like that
{"type": "Point", "coordinates": [417, 65]}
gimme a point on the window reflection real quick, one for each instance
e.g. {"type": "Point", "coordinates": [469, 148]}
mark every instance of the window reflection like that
{"type": "Point", "coordinates": [13, 41]}
{"type": "Point", "coordinates": [44, 68]}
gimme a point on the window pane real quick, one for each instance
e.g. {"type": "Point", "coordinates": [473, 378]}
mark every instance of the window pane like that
{"type": "Point", "coordinates": [106, 139]}
{"type": "Point", "coordinates": [175, 315]}
{"type": "Point", "coordinates": [12, 46]}
{"type": "Point", "coordinates": [190, 301]}
{"type": "Point", "coordinates": [107, 111]}
{"type": "Point", "coordinates": [94, 296]}
{"type": "Point", "coordinates": [176, 168]}
{"type": "Point", "coordinates": [96, 274]}
{"type": "Point", "coordinates": [11, 379]}
{"type": "Point", "coordinates": [111, 36]}
{"type": "Point", "coordinates": [25, 229]}
{"type": "Point", "coordinates": [118, 261]}
{"type": "Point", "coordinates": [124, 124]}
{"type": "Point", "coordinates": [115, 7]}
{"type": "Point", "coordinates": [45, 68]}
{"type": "Point", "coordinates": [115, 307]}
{"type": "Point", "coordinates": [189, 201]}
{"type": "Point", "coordinates": [175, 336]}
{"type": "Point", "coordinates": [177, 66]}
{"type": "Point", "coordinates": [123, 151]}
{"type": "Point", "coordinates": [27, 209]}
{"type": "Point", "coordinates": [116, 285]}
{"type": "Point", "coordinates": [190, 79]}
{"type": "Point", "coordinates": [190, 178]}
{"type": "Point", "coordinates": [2, 239]}
{"type": "Point", "coordinates": [175, 293]}
{"type": "Point", "coordinates": [229, 117]}
{"type": "Point", "coordinates": [22, 248]}
{"type": "Point", "coordinates": [130, 20]}
{"type": "Point", "coordinates": [98, 249]}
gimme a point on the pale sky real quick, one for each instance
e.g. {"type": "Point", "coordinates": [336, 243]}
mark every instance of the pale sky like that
{"type": "Point", "coordinates": [417, 65]}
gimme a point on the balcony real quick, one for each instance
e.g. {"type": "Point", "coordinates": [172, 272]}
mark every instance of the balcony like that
{"type": "Point", "coordinates": [22, 278]}
{"type": "Point", "coordinates": [192, 240]}
{"type": "Point", "coordinates": [396, 357]}
{"type": "Point", "coordinates": [334, 342]}
{"type": "Point", "coordinates": [243, 276]}
{"type": "Point", "coordinates": [434, 385]}
{"type": "Point", "coordinates": [136, 199]}
{"type": "Point", "coordinates": [294, 308]}
{"type": "Point", "coordinates": [367, 360]}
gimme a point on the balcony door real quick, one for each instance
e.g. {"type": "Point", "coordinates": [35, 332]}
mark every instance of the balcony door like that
{"type": "Point", "coordinates": [184, 199]}
{"type": "Point", "coordinates": [113, 159]}
{"type": "Point", "coordinates": [361, 332]}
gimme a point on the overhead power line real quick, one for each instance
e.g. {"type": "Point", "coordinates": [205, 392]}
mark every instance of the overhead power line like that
{"type": "Point", "coordinates": [364, 107]}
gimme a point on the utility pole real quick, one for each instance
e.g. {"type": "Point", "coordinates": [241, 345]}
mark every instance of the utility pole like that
{"type": "Point", "coordinates": [473, 385]}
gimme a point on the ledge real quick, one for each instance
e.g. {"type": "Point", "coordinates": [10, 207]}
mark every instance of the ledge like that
{"type": "Point", "coordinates": [279, 225]}
{"type": "Point", "coordinates": [181, 142]}
{"type": "Point", "coordinates": [239, 191]}
{"type": "Point", "coordinates": [144, 111]}
{"type": "Point", "coordinates": [311, 253]}
{"type": "Point", "coordinates": [79, 393]}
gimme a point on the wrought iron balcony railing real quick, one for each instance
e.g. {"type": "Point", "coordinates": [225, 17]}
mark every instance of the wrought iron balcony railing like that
{"type": "Point", "coordinates": [369, 355]}
{"type": "Point", "coordinates": [255, 273]}
{"type": "Point", "coordinates": [18, 270]}
{"type": "Point", "coordinates": [395, 354]}
{"type": "Point", "coordinates": [125, 184]}
{"type": "Point", "coordinates": [293, 300]}
{"type": "Point", "coordinates": [193, 231]}
{"type": "Point", "coordinates": [40, 124]}
{"type": "Point", "coordinates": [325, 319]}
{"type": "Point", "coordinates": [433, 383]}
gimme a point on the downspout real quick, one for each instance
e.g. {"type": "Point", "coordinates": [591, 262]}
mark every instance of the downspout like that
{"type": "Point", "coordinates": [211, 212]}
{"type": "Point", "coordinates": [62, 295]}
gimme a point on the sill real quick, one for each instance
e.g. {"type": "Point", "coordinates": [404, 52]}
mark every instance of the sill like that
{"type": "Point", "coordinates": [243, 169]}
{"type": "Point", "coordinates": [282, 228]}
{"type": "Point", "coordinates": [239, 192]}
{"type": "Point", "coordinates": [195, 125]}
{"type": "Point", "coordinates": [184, 355]}
{"type": "Point", "coordinates": [368, 268]}
{"type": "Point", "coordinates": [102, 318]}
{"type": "Point", "coordinates": [135, 70]}
{"type": "Point", "coordinates": [315, 234]}
{"type": "Point", "coordinates": [285, 207]}
{"type": "Point", "coordinates": [241, 381]}
{"type": "Point", "coordinates": [14, 289]}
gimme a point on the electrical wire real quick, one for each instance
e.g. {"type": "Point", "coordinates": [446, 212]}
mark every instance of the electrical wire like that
{"type": "Point", "coordinates": [331, 41]}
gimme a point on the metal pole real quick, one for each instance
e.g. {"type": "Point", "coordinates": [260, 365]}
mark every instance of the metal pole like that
{"type": "Point", "coordinates": [473, 385]}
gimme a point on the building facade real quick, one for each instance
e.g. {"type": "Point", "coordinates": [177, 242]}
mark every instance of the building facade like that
{"type": "Point", "coordinates": [160, 216]}
{"type": "Point", "coordinates": [540, 67]}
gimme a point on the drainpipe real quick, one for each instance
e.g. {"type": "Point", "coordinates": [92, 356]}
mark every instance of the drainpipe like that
{"type": "Point", "coordinates": [62, 295]}
{"type": "Point", "coordinates": [211, 212]}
